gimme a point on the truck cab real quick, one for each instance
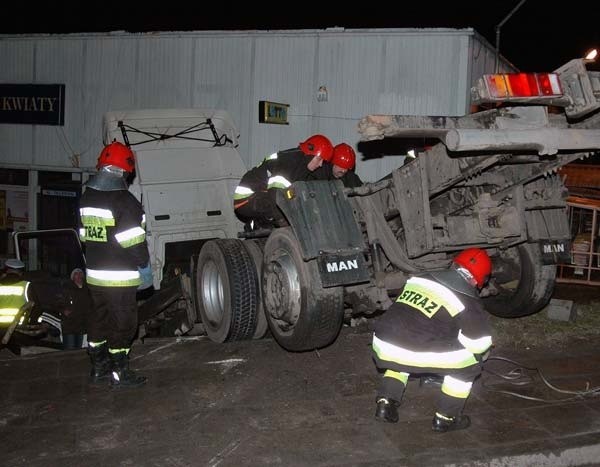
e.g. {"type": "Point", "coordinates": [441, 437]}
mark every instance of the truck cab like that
{"type": "Point", "coordinates": [187, 167]}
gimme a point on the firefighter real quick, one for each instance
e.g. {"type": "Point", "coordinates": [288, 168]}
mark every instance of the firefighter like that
{"type": "Point", "coordinates": [341, 166]}
{"type": "Point", "coordinates": [14, 290]}
{"type": "Point", "coordinates": [113, 229]}
{"type": "Point", "coordinates": [437, 325]}
{"type": "Point", "coordinates": [254, 197]}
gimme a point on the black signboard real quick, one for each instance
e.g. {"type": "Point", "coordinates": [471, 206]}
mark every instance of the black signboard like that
{"type": "Point", "coordinates": [38, 104]}
{"type": "Point", "coordinates": [273, 112]}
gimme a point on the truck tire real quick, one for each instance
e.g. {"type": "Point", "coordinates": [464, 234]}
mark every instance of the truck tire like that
{"type": "Point", "coordinates": [227, 290]}
{"type": "Point", "coordinates": [302, 315]}
{"type": "Point", "coordinates": [255, 249]}
{"type": "Point", "coordinates": [525, 284]}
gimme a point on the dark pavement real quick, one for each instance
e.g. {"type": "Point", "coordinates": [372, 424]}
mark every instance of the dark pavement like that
{"type": "Point", "coordinates": [254, 404]}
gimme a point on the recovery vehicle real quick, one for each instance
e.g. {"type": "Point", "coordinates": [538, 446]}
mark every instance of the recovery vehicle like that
{"type": "Point", "coordinates": [487, 179]}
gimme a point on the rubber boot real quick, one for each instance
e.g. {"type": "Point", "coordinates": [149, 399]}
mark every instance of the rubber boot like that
{"type": "Point", "coordinates": [122, 376]}
{"type": "Point", "coordinates": [442, 423]}
{"type": "Point", "coordinates": [387, 410]}
{"type": "Point", "coordinates": [100, 359]}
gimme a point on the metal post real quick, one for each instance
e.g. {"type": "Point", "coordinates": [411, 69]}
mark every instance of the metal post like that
{"type": "Point", "coordinates": [498, 26]}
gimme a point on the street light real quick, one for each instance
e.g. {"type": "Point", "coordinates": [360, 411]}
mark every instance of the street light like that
{"type": "Point", "coordinates": [591, 55]}
{"type": "Point", "coordinates": [498, 26]}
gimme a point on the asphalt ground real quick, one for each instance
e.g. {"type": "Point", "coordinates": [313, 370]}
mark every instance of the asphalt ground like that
{"type": "Point", "coordinates": [254, 404]}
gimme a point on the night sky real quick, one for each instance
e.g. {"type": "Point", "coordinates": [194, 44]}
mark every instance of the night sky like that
{"type": "Point", "coordinates": [537, 37]}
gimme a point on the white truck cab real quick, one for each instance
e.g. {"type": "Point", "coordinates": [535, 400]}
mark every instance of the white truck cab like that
{"type": "Point", "coordinates": [187, 167]}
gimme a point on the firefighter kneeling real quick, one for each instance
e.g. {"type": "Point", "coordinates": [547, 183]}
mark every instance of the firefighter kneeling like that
{"type": "Point", "coordinates": [437, 325]}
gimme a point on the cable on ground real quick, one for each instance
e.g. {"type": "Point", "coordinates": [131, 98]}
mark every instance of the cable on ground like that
{"type": "Point", "coordinates": [518, 376]}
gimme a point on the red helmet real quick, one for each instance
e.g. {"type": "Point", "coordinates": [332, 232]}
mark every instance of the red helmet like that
{"type": "Point", "coordinates": [117, 154]}
{"type": "Point", "coordinates": [344, 156]}
{"type": "Point", "coordinates": [477, 262]}
{"type": "Point", "coordinates": [318, 145]}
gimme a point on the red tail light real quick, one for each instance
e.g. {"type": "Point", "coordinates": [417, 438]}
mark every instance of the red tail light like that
{"type": "Point", "coordinates": [507, 85]}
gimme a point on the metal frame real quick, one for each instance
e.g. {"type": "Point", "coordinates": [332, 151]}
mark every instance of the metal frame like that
{"type": "Point", "coordinates": [580, 212]}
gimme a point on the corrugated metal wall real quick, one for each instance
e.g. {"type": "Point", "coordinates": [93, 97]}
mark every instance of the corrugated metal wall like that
{"type": "Point", "coordinates": [398, 71]}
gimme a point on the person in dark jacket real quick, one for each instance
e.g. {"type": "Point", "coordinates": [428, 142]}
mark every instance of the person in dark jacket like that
{"type": "Point", "coordinates": [437, 325]}
{"type": "Point", "coordinates": [341, 167]}
{"type": "Point", "coordinates": [113, 229]}
{"type": "Point", "coordinates": [254, 197]}
{"type": "Point", "coordinates": [78, 304]}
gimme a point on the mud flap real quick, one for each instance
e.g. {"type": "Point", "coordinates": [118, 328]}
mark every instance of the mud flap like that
{"type": "Point", "coordinates": [555, 251]}
{"type": "Point", "coordinates": [323, 222]}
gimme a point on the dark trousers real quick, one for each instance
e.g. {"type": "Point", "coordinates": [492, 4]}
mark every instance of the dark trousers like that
{"type": "Point", "coordinates": [449, 405]}
{"type": "Point", "coordinates": [261, 208]}
{"type": "Point", "coordinates": [114, 317]}
{"type": "Point", "coordinates": [72, 341]}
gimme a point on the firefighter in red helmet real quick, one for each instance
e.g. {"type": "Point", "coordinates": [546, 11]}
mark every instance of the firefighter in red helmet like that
{"type": "Point", "coordinates": [437, 325]}
{"type": "Point", "coordinates": [254, 197]}
{"type": "Point", "coordinates": [342, 166]}
{"type": "Point", "coordinates": [113, 227]}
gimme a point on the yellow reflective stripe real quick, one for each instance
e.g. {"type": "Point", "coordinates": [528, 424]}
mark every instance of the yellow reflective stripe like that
{"type": "Point", "coordinates": [278, 182]}
{"type": "Point", "coordinates": [131, 237]}
{"type": "Point", "coordinates": [12, 298]}
{"type": "Point", "coordinates": [113, 278]}
{"type": "Point", "coordinates": [97, 212]}
{"type": "Point", "coordinates": [479, 345]}
{"type": "Point", "coordinates": [242, 192]}
{"type": "Point", "coordinates": [8, 311]}
{"type": "Point", "coordinates": [399, 375]}
{"type": "Point", "coordinates": [144, 221]}
{"type": "Point", "coordinates": [454, 359]}
{"type": "Point", "coordinates": [95, 221]}
{"type": "Point", "coordinates": [96, 344]}
{"type": "Point", "coordinates": [428, 297]}
{"type": "Point", "coordinates": [114, 351]}
{"type": "Point", "coordinates": [456, 388]}
{"type": "Point", "coordinates": [271, 157]}
{"type": "Point", "coordinates": [92, 221]}
{"type": "Point", "coordinates": [114, 282]}
{"type": "Point", "coordinates": [12, 290]}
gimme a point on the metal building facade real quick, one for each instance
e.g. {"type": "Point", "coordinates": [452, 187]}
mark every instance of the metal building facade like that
{"type": "Point", "coordinates": [391, 71]}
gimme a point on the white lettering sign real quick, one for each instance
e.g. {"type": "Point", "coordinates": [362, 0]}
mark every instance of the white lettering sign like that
{"type": "Point", "coordinates": [342, 265]}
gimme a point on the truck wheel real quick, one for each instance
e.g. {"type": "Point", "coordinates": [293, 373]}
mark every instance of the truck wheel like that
{"type": "Point", "coordinates": [255, 249]}
{"type": "Point", "coordinates": [525, 284]}
{"type": "Point", "coordinates": [302, 315]}
{"type": "Point", "coordinates": [227, 290]}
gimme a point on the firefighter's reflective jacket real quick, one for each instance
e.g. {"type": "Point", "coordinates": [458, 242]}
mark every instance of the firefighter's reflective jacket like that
{"type": "Point", "coordinates": [13, 295]}
{"type": "Point", "coordinates": [433, 325]}
{"type": "Point", "coordinates": [279, 170]}
{"type": "Point", "coordinates": [113, 227]}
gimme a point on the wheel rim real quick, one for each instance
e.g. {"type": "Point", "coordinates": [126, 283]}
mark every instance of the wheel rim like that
{"type": "Point", "coordinates": [283, 288]}
{"type": "Point", "coordinates": [212, 292]}
{"type": "Point", "coordinates": [523, 283]}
